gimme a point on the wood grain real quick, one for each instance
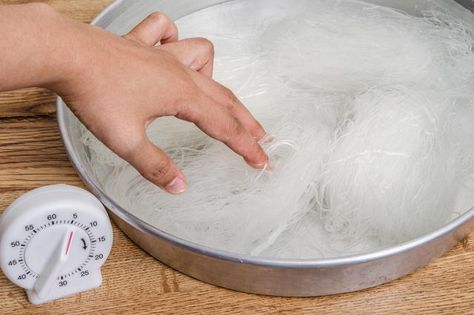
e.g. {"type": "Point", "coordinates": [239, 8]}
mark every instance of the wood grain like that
{"type": "Point", "coordinates": [32, 155]}
{"type": "Point", "coordinates": [27, 102]}
{"type": "Point", "coordinates": [81, 10]}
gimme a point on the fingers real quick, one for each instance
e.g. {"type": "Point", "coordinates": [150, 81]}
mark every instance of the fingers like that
{"type": "Point", "coordinates": [154, 29]}
{"type": "Point", "coordinates": [195, 53]}
{"type": "Point", "coordinates": [227, 98]}
{"type": "Point", "coordinates": [216, 121]}
{"type": "Point", "coordinates": [198, 55]}
{"type": "Point", "coordinates": [156, 166]}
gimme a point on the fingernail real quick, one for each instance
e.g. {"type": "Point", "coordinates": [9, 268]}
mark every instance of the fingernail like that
{"type": "Point", "coordinates": [176, 186]}
{"type": "Point", "coordinates": [260, 166]}
{"type": "Point", "coordinates": [269, 166]}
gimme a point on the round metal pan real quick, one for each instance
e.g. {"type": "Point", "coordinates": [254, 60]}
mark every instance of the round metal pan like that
{"type": "Point", "coordinates": [246, 273]}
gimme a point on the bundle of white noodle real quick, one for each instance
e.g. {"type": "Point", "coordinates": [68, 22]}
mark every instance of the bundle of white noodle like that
{"type": "Point", "coordinates": [368, 112]}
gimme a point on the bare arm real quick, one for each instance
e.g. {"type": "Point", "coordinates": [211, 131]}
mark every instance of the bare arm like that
{"type": "Point", "coordinates": [117, 85]}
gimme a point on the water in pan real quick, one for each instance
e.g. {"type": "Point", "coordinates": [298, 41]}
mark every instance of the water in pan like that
{"type": "Point", "coordinates": [369, 111]}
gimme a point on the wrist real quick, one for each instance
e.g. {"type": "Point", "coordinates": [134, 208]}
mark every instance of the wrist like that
{"type": "Point", "coordinates": [78, 58]}
{"type": "Point", "coordinates": [66, 44]}
{"type": "Point", "coordinates": [29, 45]}
{"type": "Point", "coordinates": [38, 46]}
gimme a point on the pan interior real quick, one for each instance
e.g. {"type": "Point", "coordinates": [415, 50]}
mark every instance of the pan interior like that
{"type": "Point", "coordinates": [348, 91]}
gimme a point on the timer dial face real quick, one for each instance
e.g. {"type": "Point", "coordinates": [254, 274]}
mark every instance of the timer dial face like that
{"type": "Point", "coordinates": [32, 244]}
{"type": "Point", "coordinates": [80, 250]}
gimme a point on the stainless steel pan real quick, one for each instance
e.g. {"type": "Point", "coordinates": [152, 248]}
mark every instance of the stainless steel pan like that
{"type": "Point", "coordinates": [245, 273]}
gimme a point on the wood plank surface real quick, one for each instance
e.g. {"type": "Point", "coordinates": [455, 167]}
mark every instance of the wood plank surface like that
{"type": "Point", "coordinates": [32, 155]}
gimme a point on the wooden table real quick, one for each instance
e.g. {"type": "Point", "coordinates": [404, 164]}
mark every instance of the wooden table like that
{"type": "Point", "coordinates": [32, 155]}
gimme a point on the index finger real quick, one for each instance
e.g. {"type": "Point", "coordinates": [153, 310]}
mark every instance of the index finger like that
{"type": "Point", "coordinates": [217, 122]}
{"type": "Point", "coordinates": [227, 98]}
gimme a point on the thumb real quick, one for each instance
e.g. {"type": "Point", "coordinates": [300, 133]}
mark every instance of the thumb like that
{"type": "Point", "coordinates": [157, 167]}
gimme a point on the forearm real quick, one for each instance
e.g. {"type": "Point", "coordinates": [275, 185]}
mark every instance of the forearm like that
{"type": "Point", "coordinates": [36, 47]}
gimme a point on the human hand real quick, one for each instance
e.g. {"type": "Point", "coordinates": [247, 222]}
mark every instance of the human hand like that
{"type": "Point", "coordinates": [121, 84]}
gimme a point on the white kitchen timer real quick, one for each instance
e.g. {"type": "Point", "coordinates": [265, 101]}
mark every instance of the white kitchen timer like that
{"type": "Point", "coordinates": [53, 241]}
